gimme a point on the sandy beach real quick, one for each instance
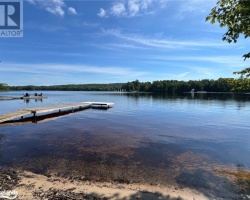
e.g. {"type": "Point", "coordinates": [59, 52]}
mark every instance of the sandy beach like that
{"type": "Point", "coordinates": [31, 186]}
{"type": "Point", "coordinates": [35, 186]}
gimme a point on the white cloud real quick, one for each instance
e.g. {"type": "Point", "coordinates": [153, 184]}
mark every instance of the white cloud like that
{"type": "Point", "coordinates": [55, 7]}
{"type": "Point", "coordinates": [163, 3]}
{"type": "Point", "coordinates": [46, 27]}
{"type": "Point", "coordinates": [162, 43]}
{"type": "Point", "coordinates": [195, 7]}
{"type": "Point", "coordinates": [102, 13]}
{"type": "Point", "coordinates": [90, 25]}
{"type": "Point", "coordinates": [53, 68]}
{"type": "Point", "coordinates": [126, 46]}
{"type": "Point", "coordinates": [145, 4]}
{"type": "Point", "coordinates": [57, 10]}
{"type": "Point", "coordinates": [228, 61]}
{"type": "Point", "coordinates": [132, 8]}
{"type": "Point", "coordinates": [118, 9]}
{"type": "Point", "coordinates": [31, 1]}
{"type": "Point", "coordinates": [183, 75]}
{"type": "Point", "coordinates": [72, 11]}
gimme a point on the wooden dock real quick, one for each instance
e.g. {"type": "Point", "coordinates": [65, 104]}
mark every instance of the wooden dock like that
{"type": "Point", "coordinates": [51, 109]}
{"type": "Point", "coordinates": [13, 115]}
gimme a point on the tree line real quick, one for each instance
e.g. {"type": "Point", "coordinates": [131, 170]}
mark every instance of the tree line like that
{"type": "Point", "coordinates": [174, 86]}
{"type": "Point", "coordinates": [4, 87]}
{"type": "Point", "coordinates": [164, 86]}
{"type": "Point", "coordinates": [71, 87]}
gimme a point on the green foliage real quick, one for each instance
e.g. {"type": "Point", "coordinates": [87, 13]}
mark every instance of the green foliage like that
{"type": "Point", "coordinates": [4, 87]}
{"type": "Point", "coordinates": [244, 72]}
{"type": "Point", "coordinates": [72, 87]}
{"type": "Point", "coordinates": [165, 86]}
{"type": "Point", "coordinates": [241, 85]}
{"type": "Point", "coordinates": [235, 15]}
{"type": "Point", "coordinates": [174, 86]}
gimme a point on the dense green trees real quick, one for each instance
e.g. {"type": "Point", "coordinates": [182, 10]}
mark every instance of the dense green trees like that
{"type": "Point", "coordinates": [164, 86]}
{"type": "Point", "coordinates": [72, 87]}
{"type": "Point", "coordinates": [235, 15]}
{"type": "Point", "coordinates": [4, 87]}
{"type": "Point", "coordinates": [239, 85]}
{"type": "Point", "coordinates": [174, 86]}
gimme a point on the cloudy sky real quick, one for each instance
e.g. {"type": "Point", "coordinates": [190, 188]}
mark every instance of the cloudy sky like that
{"type": "Point", "coordinates": [108, 41]}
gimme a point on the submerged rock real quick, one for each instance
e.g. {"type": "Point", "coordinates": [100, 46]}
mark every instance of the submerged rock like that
{"type": "Point", "coordinates": [8, 179]}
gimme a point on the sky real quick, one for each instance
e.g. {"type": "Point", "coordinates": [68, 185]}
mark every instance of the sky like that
{"type": "Point", "coordinates": [116, 41]}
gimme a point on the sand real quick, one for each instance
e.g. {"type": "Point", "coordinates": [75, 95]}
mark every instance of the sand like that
{"type": "Point", "coordinates": [35, 186]}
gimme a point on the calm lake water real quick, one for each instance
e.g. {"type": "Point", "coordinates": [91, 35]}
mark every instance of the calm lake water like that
{"type": "Point", "coordinates": [184, 141]}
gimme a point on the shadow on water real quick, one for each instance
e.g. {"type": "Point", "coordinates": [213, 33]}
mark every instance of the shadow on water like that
{"type": "Point", "coordinates": [44, 118]}
{"type": "Point", "coordinates": [241, 177]}
{"type": "Point", "coordinates": [207, 183]}
{"type": "Point", "coordinates": [1, 139]}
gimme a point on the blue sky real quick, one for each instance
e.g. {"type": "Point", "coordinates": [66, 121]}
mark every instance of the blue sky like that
{"type": "Point", "coordinates": [101, 41]}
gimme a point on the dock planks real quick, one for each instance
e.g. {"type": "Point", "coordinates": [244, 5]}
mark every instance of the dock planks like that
{"type": "Point", "coordinates": [101, 104]}
{"type": "Point", "coordinates": [58, 108]}
{"type": "Point", "coordinates": [13, 115]}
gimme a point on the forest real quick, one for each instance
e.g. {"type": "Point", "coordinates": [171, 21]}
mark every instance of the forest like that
{"type": "Point", "coordinates": [71, 87]}
{"type": "Point", "coordinates": [4, 87]}
{"type": "Point", "coordinates": [161, 86]}
{"type": "Point", "coordinates": [174, 86]}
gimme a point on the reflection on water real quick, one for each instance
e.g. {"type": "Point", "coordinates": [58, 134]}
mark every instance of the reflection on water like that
{"type": "Point", "coordinates": [157, 139]}
{"type": "Point", "coordinates": [36, 100]}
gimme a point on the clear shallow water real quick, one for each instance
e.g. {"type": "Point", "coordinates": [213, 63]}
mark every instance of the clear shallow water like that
{"type": "Point", "coordinates": [155, 139]}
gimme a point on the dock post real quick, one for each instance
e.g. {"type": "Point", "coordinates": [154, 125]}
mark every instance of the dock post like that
{"type": "Point", "coordinates": [34, 115]}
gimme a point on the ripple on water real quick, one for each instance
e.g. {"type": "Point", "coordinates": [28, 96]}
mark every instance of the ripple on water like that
{"type": "Point", "coordinates": [159, 140]}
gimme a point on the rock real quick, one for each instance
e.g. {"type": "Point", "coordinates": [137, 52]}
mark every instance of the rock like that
{"type": "Point", "coordinates": [55, 194]}
{"type": "Point", "coordinates": [8, 179]}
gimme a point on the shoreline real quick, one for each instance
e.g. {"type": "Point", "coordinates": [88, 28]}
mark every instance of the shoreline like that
{"type": "Point", "coordinates": [32, 186]}
{"type": "Point", "coordinates": [36, 186]}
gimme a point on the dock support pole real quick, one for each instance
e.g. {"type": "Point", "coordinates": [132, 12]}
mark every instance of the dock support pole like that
{"type": "Point", "coordinates": [34, 115]}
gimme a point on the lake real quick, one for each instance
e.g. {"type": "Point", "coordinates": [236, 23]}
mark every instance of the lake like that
{"type": "Point", "coordinates": [200, 141]}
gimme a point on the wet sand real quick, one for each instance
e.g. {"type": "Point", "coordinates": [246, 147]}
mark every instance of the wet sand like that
{"type": "Point", "coordinates": [35, 186]}
{"type": "Point", "coordinates": [224, 183]}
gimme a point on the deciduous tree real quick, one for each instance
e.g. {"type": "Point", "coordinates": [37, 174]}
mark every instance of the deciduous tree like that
{"type": "Point", "coordinates": [235, 15]}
